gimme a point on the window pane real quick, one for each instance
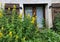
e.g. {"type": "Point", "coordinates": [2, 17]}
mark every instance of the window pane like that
{"type": "Point", "coordinates": [39, 13]}
{"type": "Point", "coordinates": [28, 10]}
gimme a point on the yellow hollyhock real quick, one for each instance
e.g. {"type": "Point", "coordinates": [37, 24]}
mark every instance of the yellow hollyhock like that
{"type": "Point", "coordinates": [14, 9]}
{"type": "Point", "coordinates": [20, 15]}
{"type": "Point", "coordinates": [1, 34]}
{"type": "Point", "coordinates": [8, 8]}
{"type": "Point", "coordinates": [2, 28]}
{"type": "Point", "coordinates": [23, 39]}
{"type": "Point", "coordinates": [17, 37]}
{"type": "Point", "coordinates": [10, 33]}
{"type": "Point", "coordinates": [14, 6]}
{"type": "Point", "coordinates": [1, 15]}
{"type": "Point", "coordinates": [33, 20]}
{"type": "Point", "coordinates": [28, 16]}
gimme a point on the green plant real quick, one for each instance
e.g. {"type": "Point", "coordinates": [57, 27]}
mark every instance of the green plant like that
{"type": "Point", "coordinates": [50, 36]}
{"type": "Point", "coordinates": [57, 23]}
{"type": "Point", "coordinates": [15, 29]}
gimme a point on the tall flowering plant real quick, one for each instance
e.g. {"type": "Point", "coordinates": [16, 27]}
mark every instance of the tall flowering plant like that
{"type": "Point", "coordinates": [15, 29]}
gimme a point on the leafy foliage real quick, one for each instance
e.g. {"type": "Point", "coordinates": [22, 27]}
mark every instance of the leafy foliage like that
{"type": "Point", "coordinates": [57, 23]}
{"type": "Point", "coordinates": [15, 29]}
{"type": "Point", "coordinates": [50, 36]}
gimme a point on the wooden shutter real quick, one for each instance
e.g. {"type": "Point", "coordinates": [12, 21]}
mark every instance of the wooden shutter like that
{"type": "Point", "coordinates": [9, 5]}
{"type": "Point", "coordinates": [55, 9]}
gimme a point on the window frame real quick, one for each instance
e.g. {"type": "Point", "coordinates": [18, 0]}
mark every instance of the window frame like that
{"type": "Point", "coordinates": [34, 10]}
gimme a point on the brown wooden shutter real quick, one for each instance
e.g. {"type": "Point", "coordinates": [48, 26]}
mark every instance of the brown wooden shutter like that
{"type": "Point", "coordinates": [9, 5]}
{"type": "Point", "coordinates": [55, 9]}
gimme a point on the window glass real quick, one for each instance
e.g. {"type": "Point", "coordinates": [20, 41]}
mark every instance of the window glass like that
{"type": "Point", "coordinates": [28, 10]}
{"type": "Point", "coordinates": [39, 14]}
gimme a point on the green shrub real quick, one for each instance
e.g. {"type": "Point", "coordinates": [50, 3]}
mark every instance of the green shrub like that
{"type": "Point", "coordinates": [50, 36]}
{"type": "Point", "coordinates": [14, 29]}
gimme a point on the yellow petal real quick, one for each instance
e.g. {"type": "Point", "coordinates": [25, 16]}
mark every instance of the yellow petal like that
{"type": "Point", "coordinates": [10, 33]}
{"type": "Point", "coordinates": [14, 6]}
{"type": "Point", "coordinates": [20, 15]}
{"type": "Point", "coordinates": [2, 28]}
{"type": "Point", "coordinates": [32, 22]}
{"type": "Point", "coordinates": [8, 8]}
{"type": "Point", "coordinates": [17, 37]}
{"type": "Point", "coordinates": [1, 15]}
{"type": "Point", "coordinates": [28, 16]}
{"type": "Point", "coordinates": [1, 34]}
{"type": "Point", "coordinates": [33, 18]}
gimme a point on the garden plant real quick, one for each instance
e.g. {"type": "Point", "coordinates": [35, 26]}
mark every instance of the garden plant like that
{"type": "Point", "coordinates": [15, 28]}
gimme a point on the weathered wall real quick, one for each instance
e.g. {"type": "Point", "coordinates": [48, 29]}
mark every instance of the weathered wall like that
{"type": "Point", "coordinates": [48, 15]}
{"type": "Point", "coordinates": [55, 1]}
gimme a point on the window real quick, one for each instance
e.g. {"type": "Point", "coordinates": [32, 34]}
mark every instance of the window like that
{"type": "Point", "coordinates": [36, 10]}
{"type": "Point", "coordinates": [39, 14]}
{"type": "Point", "coordinates": [28, 10]}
